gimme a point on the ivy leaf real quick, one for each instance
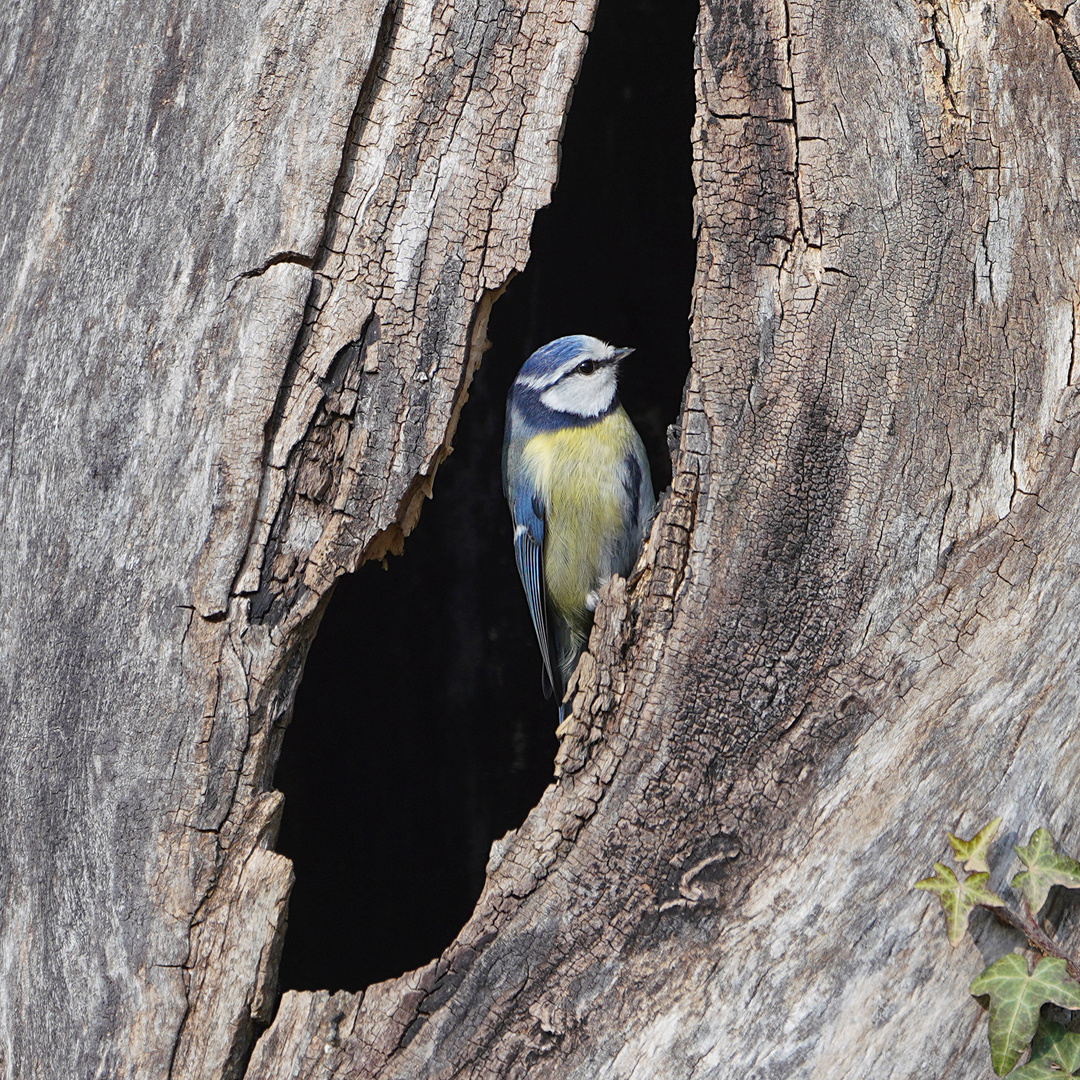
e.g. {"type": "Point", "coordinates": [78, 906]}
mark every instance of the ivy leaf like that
{"type": "Point", "coordinates": [1045, 867]}
{"type": "Point", "coordinates": [1015, 1000]}
{"type": "Point", "coordinates": [1037, 1070]}
{"type": "Point", "coordinates": [972, 853]}
{"type": "Point", "coordinates": [958, 898]}
{"type": "Point", "coordinates": [1055, 1053]}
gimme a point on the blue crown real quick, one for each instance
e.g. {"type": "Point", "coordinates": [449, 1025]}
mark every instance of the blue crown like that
{"type": "Point", "coordinates": [555, 355]}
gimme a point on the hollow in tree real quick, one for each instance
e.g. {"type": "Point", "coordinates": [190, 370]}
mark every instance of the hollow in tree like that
{"type": "Point", "coordinates": [248, 263]}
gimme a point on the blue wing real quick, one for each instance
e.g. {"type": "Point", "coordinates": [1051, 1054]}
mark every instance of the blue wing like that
{"type": "Point", "coordinates": [632, 476]}
{"type": "Point", "coordinates": [640, 505]}
{"type": "Point", "coordinates": [527, 511]}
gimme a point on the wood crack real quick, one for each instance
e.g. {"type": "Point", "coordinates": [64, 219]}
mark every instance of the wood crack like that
{"type": "Point", "coordinates": [1065, 38]}
{"type": "Point", "coordinates": [383, 48]}
{"type": "Point", "coordinates": [1066, 42]}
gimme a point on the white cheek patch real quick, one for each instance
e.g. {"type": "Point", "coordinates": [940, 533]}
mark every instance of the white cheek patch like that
{"type": "Point", "coordinates": [582, 395]}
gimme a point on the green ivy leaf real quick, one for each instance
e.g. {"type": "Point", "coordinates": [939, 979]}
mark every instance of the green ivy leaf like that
{"type": "Point", "coordinates": [1055, 1051]}
{"type": "Point", "coordinates": [1015, 1000]}
{"type": "Point", "coordinates": [1045, 868]}
{"type": "Point", "coordinates": [958, 898]}
{"type": "Point", "coordinates": [972, 853]}
{"type": "Point", "coordinates": [1037, 1070]}
{"type": "Point", "coordinates": [1055, 1054]}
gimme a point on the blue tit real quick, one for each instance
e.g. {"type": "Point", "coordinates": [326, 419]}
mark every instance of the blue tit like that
{"type": "Point", "coordinates": [577, 480]}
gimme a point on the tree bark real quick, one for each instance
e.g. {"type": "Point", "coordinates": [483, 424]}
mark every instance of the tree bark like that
{"type": "Point", "coordinates": [248, 260]}
{"type": "Point", "coordinates": [243, 303]}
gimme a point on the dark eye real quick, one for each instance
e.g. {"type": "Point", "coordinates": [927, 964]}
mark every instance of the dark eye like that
{"type": "Point", "coordinates": [586, 367]}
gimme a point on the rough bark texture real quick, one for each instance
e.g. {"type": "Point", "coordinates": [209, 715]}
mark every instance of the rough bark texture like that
{"type": "Point", "coordinates": [853, 627]}
{"type": "Point", "coordinates": [247, 267]}
{"type": "Point", "coordinates": [248, 258]}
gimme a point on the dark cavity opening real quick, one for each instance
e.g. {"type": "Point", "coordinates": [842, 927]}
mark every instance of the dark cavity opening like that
{"type": "Point", "coordinates": [420, 733]}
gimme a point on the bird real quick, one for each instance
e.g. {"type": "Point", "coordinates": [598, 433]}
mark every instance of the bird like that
{"type": "Point", "coordinates": [576, 477]}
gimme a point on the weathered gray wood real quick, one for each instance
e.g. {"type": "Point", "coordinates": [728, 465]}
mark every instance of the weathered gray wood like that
{"type": "Point", "coordinates": [248, 256]}
{"type": "Point", "coordinates": [247, 262]}
{"type": "Point", "coordinates": [854, 626]}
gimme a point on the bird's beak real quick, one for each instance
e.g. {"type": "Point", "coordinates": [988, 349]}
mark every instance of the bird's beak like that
{"type": "Point", "coordinates": [622, 354]}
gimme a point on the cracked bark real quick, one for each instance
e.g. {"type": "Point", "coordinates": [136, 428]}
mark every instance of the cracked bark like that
{"type": "Point", "coordinates": [852, 627]}
{"type": "Point", "coordinates": [247, 270]}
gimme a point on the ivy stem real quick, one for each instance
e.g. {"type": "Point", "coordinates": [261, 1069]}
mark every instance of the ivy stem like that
{"type": "Point", "coordinates": [1037, 937]}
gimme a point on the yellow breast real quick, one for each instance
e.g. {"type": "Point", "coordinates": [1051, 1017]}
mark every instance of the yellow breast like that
{"type": "Point", "coordinates": [578, 472]}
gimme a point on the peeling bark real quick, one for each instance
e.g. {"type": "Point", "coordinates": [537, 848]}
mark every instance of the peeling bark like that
{"type": "Point", "coordinates": [247, 271]}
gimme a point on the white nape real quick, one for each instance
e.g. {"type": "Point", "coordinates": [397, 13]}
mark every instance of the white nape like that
{"type": "Point", "coordinates": [583, 395]}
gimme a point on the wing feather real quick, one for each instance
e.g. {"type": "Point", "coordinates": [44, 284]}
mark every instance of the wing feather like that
{"type": "Point", "coordinates": [632, 487]}
{"type": "Point", "coordinates": [527, 512]}
{"type": "Point", "coordinates": [640, 503]}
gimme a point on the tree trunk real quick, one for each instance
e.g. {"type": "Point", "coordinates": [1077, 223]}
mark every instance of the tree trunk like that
{"type": "Point", "coordinates": [249, 260]}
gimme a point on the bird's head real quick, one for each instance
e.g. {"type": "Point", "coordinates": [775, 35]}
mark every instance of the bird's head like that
{"type": "Point", "coordinates": [576, 375]}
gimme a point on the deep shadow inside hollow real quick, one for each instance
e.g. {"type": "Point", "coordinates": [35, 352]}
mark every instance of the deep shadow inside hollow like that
{"type": "Point", "coordinates": [420, 733]}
